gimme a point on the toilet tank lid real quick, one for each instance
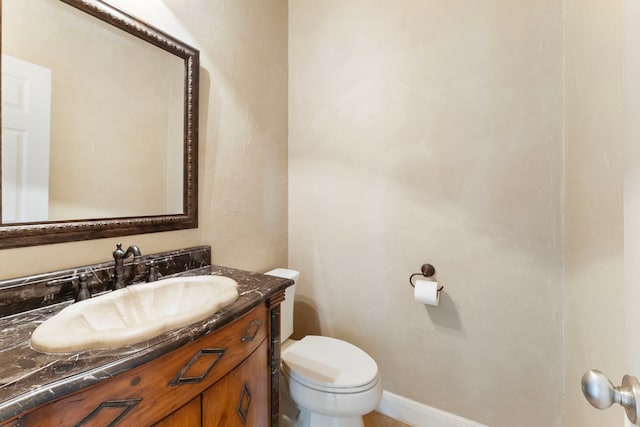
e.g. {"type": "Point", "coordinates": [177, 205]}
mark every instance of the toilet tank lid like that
{"type": "Point", "coordinates": [285, 273]}
{"type": "Point", "coordinates": [329, 362]}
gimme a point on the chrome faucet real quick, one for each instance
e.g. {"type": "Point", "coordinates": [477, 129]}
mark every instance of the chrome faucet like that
{"type": "Point", "coordinates": [119, 256]}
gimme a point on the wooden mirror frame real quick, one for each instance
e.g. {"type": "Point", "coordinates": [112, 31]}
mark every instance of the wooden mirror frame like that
{"type": "Point", "coordinates": [41, 233]}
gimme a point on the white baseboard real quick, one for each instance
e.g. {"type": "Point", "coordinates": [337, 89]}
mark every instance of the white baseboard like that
{"type": "Point", "coordinates": [419, 415]}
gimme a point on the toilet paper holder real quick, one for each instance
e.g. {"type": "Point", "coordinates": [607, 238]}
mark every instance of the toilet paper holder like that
{"type": "Point", "coordinates": [428, 271]}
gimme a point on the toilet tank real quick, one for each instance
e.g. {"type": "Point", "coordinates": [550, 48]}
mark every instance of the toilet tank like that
{"type": "Point", "coordinates": [286, 307]}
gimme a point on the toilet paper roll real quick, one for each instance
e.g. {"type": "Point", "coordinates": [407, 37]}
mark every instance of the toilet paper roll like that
{"type": "Point", "coordinates": [426, 292]}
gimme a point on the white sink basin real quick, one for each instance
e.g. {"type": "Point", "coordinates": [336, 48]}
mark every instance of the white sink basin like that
{"type": "Point", "coordinates": [134, 314]}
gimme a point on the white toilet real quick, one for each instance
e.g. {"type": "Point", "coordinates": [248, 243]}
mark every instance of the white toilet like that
{"type": "Point", "coordinates": [325, 382]}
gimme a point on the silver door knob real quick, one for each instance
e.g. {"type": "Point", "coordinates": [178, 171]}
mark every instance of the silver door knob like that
{"type": "Point", "coordinates": [601, 393]}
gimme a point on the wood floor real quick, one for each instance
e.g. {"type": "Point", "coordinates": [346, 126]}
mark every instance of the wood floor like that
{"type": "Point", "coordinates": [376, 419]}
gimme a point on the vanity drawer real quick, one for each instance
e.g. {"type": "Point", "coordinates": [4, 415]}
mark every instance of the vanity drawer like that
{"type": "Point", "coordinates": [148, 393]}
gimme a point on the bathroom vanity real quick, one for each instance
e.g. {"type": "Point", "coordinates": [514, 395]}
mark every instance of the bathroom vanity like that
{"type": "Point", "coordinates": [222, 371]}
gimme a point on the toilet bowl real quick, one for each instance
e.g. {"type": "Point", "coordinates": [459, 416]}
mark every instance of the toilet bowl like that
{"type": "Point", "coordinates": [325, 382]}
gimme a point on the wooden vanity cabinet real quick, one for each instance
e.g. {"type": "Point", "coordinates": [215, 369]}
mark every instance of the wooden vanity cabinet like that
{"type": "Point", "coordinates": [222, 379]}
{"type": "Point", "coordinates": [241, 398]}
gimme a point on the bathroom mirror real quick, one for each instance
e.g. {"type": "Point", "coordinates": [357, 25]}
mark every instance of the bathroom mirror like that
{"type": "Point", "coordinates": [99, 124]}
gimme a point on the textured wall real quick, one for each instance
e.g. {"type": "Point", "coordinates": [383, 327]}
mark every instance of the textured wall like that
{"type": "Point", "coordinates": [243, 139]}
{"type": "Point", "coordinates": [594, 267]}
{"type": "Point", "coordinates": [631, 13]}
{"type": "Point", "coordinates": [428, 131]}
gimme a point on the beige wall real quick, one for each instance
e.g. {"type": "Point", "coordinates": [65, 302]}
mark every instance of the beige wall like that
{"type": "Point", "coordinates": [594, 267]}
{"type": "Point", "coordinates": [432, 132]}
{"type": "Point", "coordinates": [631, 94]}
{"type": "Point", "coordinates": [243, 139]}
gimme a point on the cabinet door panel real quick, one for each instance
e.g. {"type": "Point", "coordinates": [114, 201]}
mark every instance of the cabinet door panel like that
{"type": "Point", "coordinates": [241, 398]}
{"type": "Point", "coordinates": [187, 416]}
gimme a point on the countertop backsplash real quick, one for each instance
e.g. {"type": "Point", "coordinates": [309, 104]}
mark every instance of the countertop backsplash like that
{"type": "Point", "coordinates": [41, 290]}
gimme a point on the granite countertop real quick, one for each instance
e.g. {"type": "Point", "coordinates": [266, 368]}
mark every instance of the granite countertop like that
{"type": "Point", "coordinates": [29, 378]}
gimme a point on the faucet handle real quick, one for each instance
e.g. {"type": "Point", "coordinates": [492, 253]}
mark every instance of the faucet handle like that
{"type": "Point", "coordinates": [154, 274]}
{"type": "Point", "coordinates": [83, 288]}
{"type": "Point", "coordinates": [118, 253]}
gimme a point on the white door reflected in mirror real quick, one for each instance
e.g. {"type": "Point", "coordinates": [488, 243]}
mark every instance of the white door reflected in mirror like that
{"type": "Point", "coordinates": [26, 119]}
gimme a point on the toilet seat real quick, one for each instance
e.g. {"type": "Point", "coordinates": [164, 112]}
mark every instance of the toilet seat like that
{"type": "Point", "coordinates": [329, 365]}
